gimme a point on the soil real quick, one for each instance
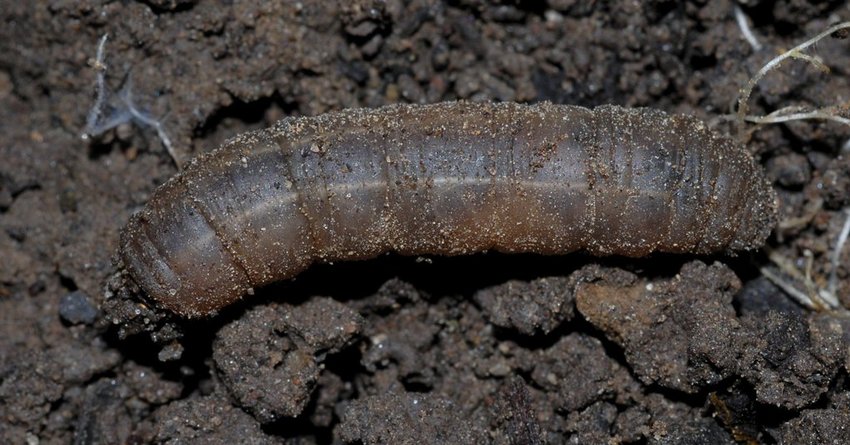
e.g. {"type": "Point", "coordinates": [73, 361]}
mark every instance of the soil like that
{"type": "Point", "coordinates": [481, 349]}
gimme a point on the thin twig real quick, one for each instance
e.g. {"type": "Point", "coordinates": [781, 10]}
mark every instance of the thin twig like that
{"type": "Point", "coordinates": [836, 254]}
{"type": "Point", "coordinates": [814, 299]}
{"type": "Point", "coordinates": [798, 295]}
{"type": "Point", "coordinates": [796, 52]}
{"type": "Point", "coordinates": [779, 116]}
{"type": "Point", "coordinates": [100, 89]}
{"type": "Point", "coordinates": [127, 99]}
{"type": "Point", "coordinates": [810, 210]}
{"type": "Point", "coordinates": [122, 112]}
{"type": "Point", "coordinates": [744, 24]}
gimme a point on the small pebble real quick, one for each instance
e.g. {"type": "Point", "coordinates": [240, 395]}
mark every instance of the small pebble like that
{"type": "Point", "coordinates": [171, 352]}
{"type": "Point", "coordinates": [76, 307]}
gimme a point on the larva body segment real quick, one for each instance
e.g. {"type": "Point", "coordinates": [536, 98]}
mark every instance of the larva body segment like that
{"type": "Point", "coordinates": [443, 179]}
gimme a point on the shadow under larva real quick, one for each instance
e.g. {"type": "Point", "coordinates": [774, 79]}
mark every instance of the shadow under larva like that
{"type": "Point", "coordinates": [443, 179]}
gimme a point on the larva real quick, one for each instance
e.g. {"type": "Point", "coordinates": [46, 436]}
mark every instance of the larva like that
{"type": "Point", "coordinates": [442, 179]}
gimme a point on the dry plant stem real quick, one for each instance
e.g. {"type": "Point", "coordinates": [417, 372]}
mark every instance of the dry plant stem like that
{"type": "Point", "coordinates": [744, 24]}
{"type": "Point", "coordinates": [814, 60]}
{"type": "Point", "coordinates": [125, 111]}
{"type": "Point", "coordinates": [100, 90]}
{"type": "Point", "coordinates": [796, 52]}
{"type": "Point", "coordinates": [151, 122]}
{"type": "Point", "coordinates": [836, 255]}
{"type": "Point", "coordinates": [812, 299]}
{"type": "Point", "coordinates": [779, 116]}
{"type": "Point", "coordinates": [799, 296]}
{"type": "Point", "coordinates": [809, 212]}
{"type": "Point", "coordinates": [817, 298]}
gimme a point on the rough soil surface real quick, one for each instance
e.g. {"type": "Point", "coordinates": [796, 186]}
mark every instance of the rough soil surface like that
{"type": "Point", "coordinates": [482, 349]}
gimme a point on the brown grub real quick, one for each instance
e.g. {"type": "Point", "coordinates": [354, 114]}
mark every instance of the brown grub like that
{"type": "Point", "coordinates": [444, 179]}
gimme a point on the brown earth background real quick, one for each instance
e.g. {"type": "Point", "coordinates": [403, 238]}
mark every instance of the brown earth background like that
{"type": "Point", "coordinates": [481, 349]}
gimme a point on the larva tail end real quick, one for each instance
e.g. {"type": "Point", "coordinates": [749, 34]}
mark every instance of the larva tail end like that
{"type": "Point", "coordinates": [760, 218]}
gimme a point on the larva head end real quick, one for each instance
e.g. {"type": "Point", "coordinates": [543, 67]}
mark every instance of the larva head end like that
{"type": "Point", "coordinates": [128, 309]}
{"type": "Point", "coordinates": [177, 259]}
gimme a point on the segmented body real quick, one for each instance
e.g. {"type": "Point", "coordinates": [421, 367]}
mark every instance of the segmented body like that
{"type": "Point", "coordinates": [442, 179]}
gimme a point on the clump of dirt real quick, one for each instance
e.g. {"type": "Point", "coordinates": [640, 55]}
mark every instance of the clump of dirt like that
{"type": "Point", "coordinates": [684, 334]}
{"type": "Point", "coordinates": [483, 349]}
{"type": "Point", "coordinates": [536, 307]}
{"type": "Point", "coordinates": [270, 358]}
